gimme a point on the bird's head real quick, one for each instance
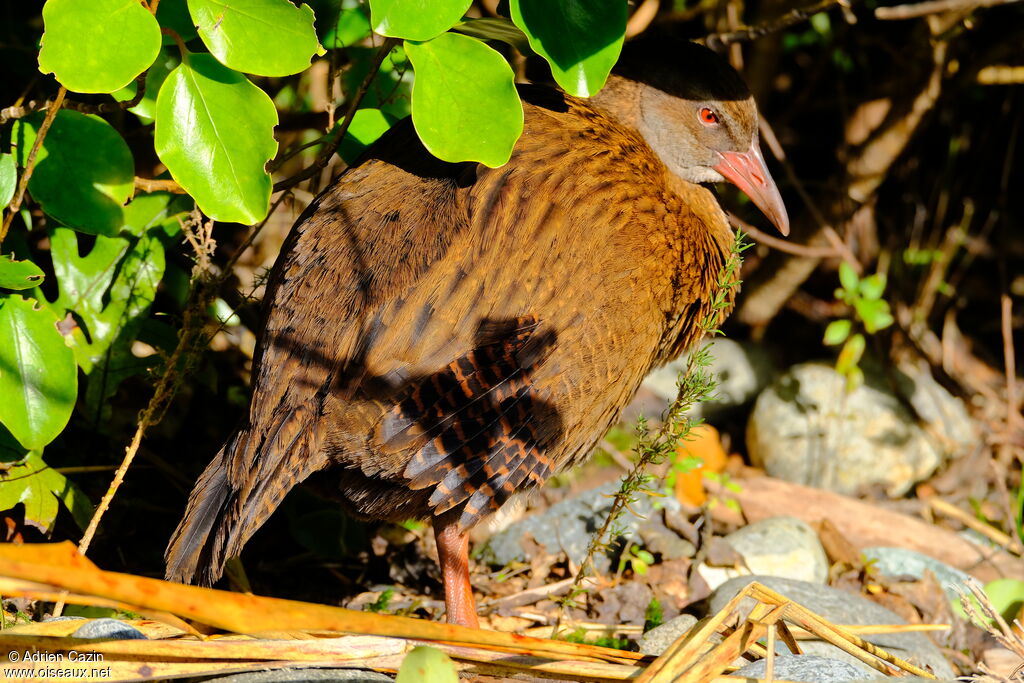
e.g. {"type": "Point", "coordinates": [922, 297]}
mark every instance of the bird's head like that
{"type": "Point", "coordinates": [698, 116]}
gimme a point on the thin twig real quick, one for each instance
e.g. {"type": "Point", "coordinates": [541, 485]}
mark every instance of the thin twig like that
{"type": "Point", "coordinates": [165, 389]}
{"type": "Point", "coordinates": [331, 147]}
{"type": "Point", "coordinates": [920, 9]}
{"type": "Point", "coordinates": [719, 40]}
{"type": "Point", "coordinates": [781, 244]}
{"type": "Point", "coordinates": [30, 162]}
{"type": "Point", "coordinates": [1010, 364]}
{"type": "Point", "coordinates": [32, 106]}
{"type": "Point", "coordinates": [155, 185]}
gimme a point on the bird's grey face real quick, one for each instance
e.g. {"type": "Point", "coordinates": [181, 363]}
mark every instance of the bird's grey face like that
{"type": "Point", "coordinates": [706, 140]}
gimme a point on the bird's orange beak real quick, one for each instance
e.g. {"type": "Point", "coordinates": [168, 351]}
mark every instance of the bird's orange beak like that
{"type": "Point", "coordinates": [747, 171]}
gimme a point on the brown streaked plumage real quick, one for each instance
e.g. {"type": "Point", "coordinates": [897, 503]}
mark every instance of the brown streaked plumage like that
{"type": "Point", "coordinates": [439, 336]}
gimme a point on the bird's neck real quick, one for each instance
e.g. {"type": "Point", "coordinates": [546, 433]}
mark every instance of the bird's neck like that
{"type": "Point", "coordinates": [619, 99]}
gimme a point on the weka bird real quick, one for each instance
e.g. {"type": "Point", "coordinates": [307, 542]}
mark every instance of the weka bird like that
{"type": "Point", "coordinates": [440, 336]}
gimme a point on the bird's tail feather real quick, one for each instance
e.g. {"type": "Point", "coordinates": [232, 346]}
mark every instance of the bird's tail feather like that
{"type": "Point", "coordinates": [235, 495]}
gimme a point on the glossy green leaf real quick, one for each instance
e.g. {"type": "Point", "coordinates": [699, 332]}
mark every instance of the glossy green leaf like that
{"type": "Point", "coordinates": [84, 171]}
{"type": "Point", "coordinates": [427, 665]}
{"type": "Point", "coordinates": [8, 178]}
{"type": "Point", "coordinates": [97, 45]}
{"type": "Point", "coordinates": [156, 211]}
{"type": "Point", "coordinates": [367, 125]}
{"type": "Point", "coordinates": [42, 489]}
{"type": "Point", "coordinates": [18, 274]}
{"type": "Point", "coordinates": [415, 19]}
{"type": "Point", "coordinates": [215, 134]}
{"type": "Point", "coordinates": [837, 332]}
{"type": "Point", "coordinates": [165, 63]}
{"type": "Point", "coordinates": [38, 378]}
{"type": "Point", "coordinates": [264, 37]}
{"type": "Point", "coordinates": [580, 39]}
{"type": "Point", "coordinates": [464, 102]}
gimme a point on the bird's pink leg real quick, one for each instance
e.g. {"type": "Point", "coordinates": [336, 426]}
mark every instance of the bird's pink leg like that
{"type": "Point", "coordinates": [453, 556]}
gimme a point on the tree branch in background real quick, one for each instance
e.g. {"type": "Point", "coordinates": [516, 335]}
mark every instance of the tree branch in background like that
{"type": "Point", "coordinates": [30, 162]}
{"type": "Point", "coordinates": [331, 147]}
{"type": "Point", "coordinates": [920, 9]}
{"type": "Point", "coordinates": [717, 41]}
{"type": "Point", "coordinates": [32, 106]}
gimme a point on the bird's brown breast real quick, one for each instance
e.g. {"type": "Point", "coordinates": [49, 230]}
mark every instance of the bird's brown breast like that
{"type": "Point", "coordinates": [455, 333]}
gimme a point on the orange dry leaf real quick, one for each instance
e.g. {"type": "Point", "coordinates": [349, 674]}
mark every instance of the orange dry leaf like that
{"type": "Point", "coordinates": [704, 443]}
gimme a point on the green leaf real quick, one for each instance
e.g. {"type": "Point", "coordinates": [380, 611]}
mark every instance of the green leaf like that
{"type": "Point", "coordinates": [173, 14]}
{"type": "Point", "coordinates": [97, 46]}
{"type": "Point", "coordinates": [873, 286]}
{"type": "Point", "coordinates": [38, 378]}
{"type": "Point", "coordinates": [84, 171]}
{"type": "Point", "coordinates": [351, 25]}
{"type": "Point", "coordinates": [367, 125]}
{"type": "Point", "coordinates": [392, 89]}
{"type": "Point", "coordinates": [165, 62]}
{"type": "Point", "coordinates": [850, 354]}
{"type": "Point", "coordinates": [580, 39]}
{"type": "Point", "coordinates": [107, 289]}
{"type": "Point", "coordinates": [496, 28]}
{"type": "Point", "coordinates": [427, 665]}
{"type": "Point", "coordinates": [215, 134]}
{"type": "Point", "coordinates": [18, 274]}
{"type": "Point", "coordinates": [848, 277]}
{"type": "Point", "coordinates": [42, 488]}
{"type": "Point", "coordinates": [1007, 596]}
{"type": "Point", "coordinates": [8, 178]}
{"type": "Point", "coordinates": [156, 211]}
{"type": "Point", "coordinates": [837, 332]}
{"type": "Point", "coordinates": [464, 102]}
{"type": "Point", "coordinates": [415, 19]}
{"type": "Point", "coordinates": [263, 37]}
{"type": "Point", "coordinates": [874, 313]}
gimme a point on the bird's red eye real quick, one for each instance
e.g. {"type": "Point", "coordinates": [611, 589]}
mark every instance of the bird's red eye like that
{"type": "Point", "coordinates": [708, 117]}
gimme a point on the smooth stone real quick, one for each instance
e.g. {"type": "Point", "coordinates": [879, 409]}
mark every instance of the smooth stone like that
{"type": "Point", "coordinates": [840, 607]}
{"type": "Point", "coordinates": [306, 676]}
{"type": "Point", "coordinates": [896, 562]}
{"type": "Point", "coordinates": [807, 429]}
{"type": "Point", "coordinates": [111, 629]}
{"type": "Point", "coordinates": [809, 669]}
{"type": "Point", "coordinates": [778, 546]}
{"type": "Point", "coordinates": [568, 526]}
{"type": "Point", "coordinates": [665, 542]}
{"type": "Point", "coordinates": [657, 640]}
{"type": "Point", "coordinates": [741, 370]}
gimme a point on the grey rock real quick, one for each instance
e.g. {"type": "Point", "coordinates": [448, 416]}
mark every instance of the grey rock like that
{"type": "Point", "coordinates": [742, 370]}
{"type": "Point", "coordinates": [657, 640]}
{"type": "Point", "coordinates": [806, 429]}
{"type": "Point", "coordinates": [895, 562]}
{"type": "Point", "coordinates": [665, 542]}
{"type": "Point", "coordinates": [840, 607]}
{"type": "Point", "coordinates": [567, 527]}
{"type": "Point", "coordinates": [111, 629]}
{"type": "Point", "coordinates": [305, 676]}
{"type": "Point", "coordinates": [810, 669]}
{"type": "Point", "coordinates": [778, 546]}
